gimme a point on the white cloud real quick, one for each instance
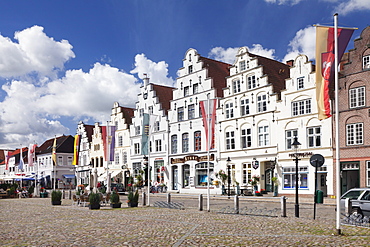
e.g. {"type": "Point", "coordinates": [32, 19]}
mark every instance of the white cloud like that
{"type": "Point", "coordinates": [34, 52]}
{"type": "Point", "coordinates": [35, 110]}
{"type": "Point", "coordinates": [303, 43]}
{"type": "Point", "coordinates": [157, 72]}
{"type": "Point", "coordinates": [228, 55]}
{"type": "Point", "coordinates": [284, 2]}
{"type": "Point", "coordinates": [352, 5]}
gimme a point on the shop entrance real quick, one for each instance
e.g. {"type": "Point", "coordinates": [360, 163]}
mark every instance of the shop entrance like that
{"type": "Point", "coordinates": [350, 176]}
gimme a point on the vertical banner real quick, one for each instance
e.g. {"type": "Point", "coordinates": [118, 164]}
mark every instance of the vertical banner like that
{"type": "Point", "coordinates": [145, 135]}
{"type": "Point", "coordinates": [54, 152]}
{"type": "Point", "coordinates": [208, 108]}
{"type": "Point", "coordinates": [76, 149]}
{"type": "Point", "coordinates": [31, 154]}
{"type": "Point", "coordinates": [6, 155]}
{"type": "Point", "coordinates": [325, 67]}
{"type": "Point", "coordinates": [108, 135]}
{"type": "Point", "coordinates": [21, 163]}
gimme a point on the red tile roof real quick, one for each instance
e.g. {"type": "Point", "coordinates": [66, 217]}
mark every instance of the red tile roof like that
{"type": "Point", "coordinates": [64, 145]}
{"type": "Point", "coordinates": [218, 71]}
{"type": "Point", "coordinates": [164, 95]}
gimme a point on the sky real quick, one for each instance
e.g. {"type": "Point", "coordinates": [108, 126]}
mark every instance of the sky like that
{"type": "Point", "coordinates": [67, 61]}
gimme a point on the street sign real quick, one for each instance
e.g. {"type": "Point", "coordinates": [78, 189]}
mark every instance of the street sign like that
{"type": "Point", "coordinates": [317, 160]}
{"type": "Point", "coordinates": [255, 164]}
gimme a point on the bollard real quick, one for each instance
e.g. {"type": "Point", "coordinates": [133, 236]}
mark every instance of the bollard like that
{"type": "Point", "coordinates": [169, 198]}
{"type": "Point", "coordinates": [63, 194]}
{"type": "Point", "coordinates": [348, 206]}
{"type": "Point", "coordinates": [283, 206]}
{"type": "Point", "coordinates": [144, 198]}
{"type": "Point", "coordinates": [70, 194]}
{"type": "Point", "coordinates": [236, 204]}
{"type": "Point", "coordinates": [200, 202]}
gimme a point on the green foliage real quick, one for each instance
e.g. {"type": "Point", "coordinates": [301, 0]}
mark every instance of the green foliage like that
{"type": "Point", "coordinates": [31, 189]}
{"type": "Point", "coordinates": [133, 197]}
{"type": "Point", "coordinates": [114, 198]}
{"type": "Point", "coordinates": [56, 195]}
{"type": "Point", "coordinates": [94, 198]}
{"type": "Point", "coordinates": [222, 176]}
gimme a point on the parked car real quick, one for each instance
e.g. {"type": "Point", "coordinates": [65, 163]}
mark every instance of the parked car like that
{"type": "Point", "coordinates": [119, 187]}
{"type": "Point", "coordinates": [360, 198]}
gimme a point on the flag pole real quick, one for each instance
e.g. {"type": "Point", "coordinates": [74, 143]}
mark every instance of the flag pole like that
{"type": "Point", "coordinates": [208, 148]}
{"type": "Point", "coordinates": [337, 155]}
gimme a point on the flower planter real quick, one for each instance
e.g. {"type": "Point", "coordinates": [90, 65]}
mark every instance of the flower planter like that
{"type": "Point", "coordinates": [44, 194]}
{"type": "Point", "coordinates": [94, 206]}
{"type": "Point", "coordinates": [56, 203]}
{"type": "Point", "coordinates": [132, 204]}
{"type": "Point", "coordinates": [115, 205]}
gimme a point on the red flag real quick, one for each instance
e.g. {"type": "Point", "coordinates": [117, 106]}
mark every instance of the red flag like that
{"type": "Point", "coordinates": [31, 154]}
{"type": "Point", "coordinates": [209, 120]}
{"type": "Point", "coordinates": [108, 135]}
{"type": "Point", "coordinates": [325, 67]}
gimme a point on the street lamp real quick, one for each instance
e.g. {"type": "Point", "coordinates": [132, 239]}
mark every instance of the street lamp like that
{"type": "Point", "coordinates": [228, 176]}
{"type": "Point", "coordinates": [296, 145]}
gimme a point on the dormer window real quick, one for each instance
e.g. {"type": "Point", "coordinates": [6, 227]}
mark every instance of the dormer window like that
{"type": "Point", "coordinates": [190, 69]}
{"type": "Point", "coordinates": [242, 65]}
{"type": "Point", "coordinates": [366, 62]}
{"type": "Point", "coordinates": [300, 83]}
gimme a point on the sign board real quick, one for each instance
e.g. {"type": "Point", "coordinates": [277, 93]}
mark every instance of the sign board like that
{"type": "Point", "coordinates": [317, 160]}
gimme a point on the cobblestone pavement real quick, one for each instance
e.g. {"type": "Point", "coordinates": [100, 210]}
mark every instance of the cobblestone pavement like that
{"type": "Point", "coordinates": [35, 222]}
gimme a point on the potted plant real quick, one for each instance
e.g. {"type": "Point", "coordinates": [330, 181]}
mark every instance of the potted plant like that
{"type": "Point", "coordinates": [223, 177]}
{"type": "Point", "coordinates": [114, 200]}
{"type": "Point", "coordinates": [31, 190]}
{"type": "Point", "coordinates": [56, 197]}
{"type": "Point", "coordinates": [43, 193]}
{"type": "Point", "coordinates": [94, 200]}
{"type": "Point", "coordinates": [133, 198]}
{"type": "Point", "coordinates": [275, 182]}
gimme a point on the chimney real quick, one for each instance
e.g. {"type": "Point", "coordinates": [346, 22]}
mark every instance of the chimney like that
{"type": "Point", "coordinates": [146, 80]}
{"type": "Point", "coordinates": [290, 63]}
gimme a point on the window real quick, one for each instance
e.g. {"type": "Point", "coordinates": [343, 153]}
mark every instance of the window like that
{"type": "Point", "coordinates": [247, 173]}
{"type": "Point", "coordinates": [242, 65]}
{"type": "Point", "coordinates": [124, 158]}
{"type": "Point", "coordinates": [116, 158]}
{"type": "Point", "coordinates": [186, 91]}
{"type": "Point", "coordinates": [137, 148]}
{"type": "Point", "coordinates": [289, 137]}
{"type": "Point", "coordinates": [289, 177]}
{"type": "Point", "coordinates": [158, 145]}
{"type": "Point", "coordinates": [158, 171]}
{"type": "Point", "coordinates": [137, 130]}
{"type": "Point", "coordinates": [180, 114]}
{"type": "Point", "coordinates": [230, 140]}
{"type": "Point", "coordinates": [236, 86]}
{"type": "Point", "coordinates": [301, 107]}
{"type": "Point", "coordinates": [366, 62]}
{"type": "Point", "coordinates": [300, 83]}
{"type": "Point", "coordinates": [136, 167]}
{"type": "Point", "coordinates": [174, 144]}
{"type": "Point", "coordinates": [368, 173]}
{"type": "Point", "coordinates": [357, 97]}
{"type": "Point", "coordinates": [190, 69]}
{"type": "Point", "coordinates": [156, 126]}
{"type": "Point", "coordinates": [251, 82]}
{"type": "Point", "coordinates": [314, 137]}
{"type": "Point", "coordinates": [195, 88]}
{"type": "Point", "coordinates": [262, 103]}
{"type": "Point", "coordinates": [191, 111]}
{"type": "Point", "coordinates": [150, 109]}
{"type": "Point", "coordinates": [246, 138]}
{"type": "Point", "coordinates": [263, 136]}
{"type": "Point", "coordinates": [141, 112]}
{"type": "Point", "coordinates": [197, 141]}
{"type": "Point", "coordinates": [355, 134]}
{"type": "Point", "coordinates": [185, 142]}
{"type": "Point", "coordinates": [244, 107]}
{"type": "Point", "coordinates": [120, 141]}
{"type": "Point", "coordinates": [229, 110]}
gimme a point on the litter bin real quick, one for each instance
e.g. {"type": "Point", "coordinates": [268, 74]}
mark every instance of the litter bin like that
{"type": "Point", "coordinates": [319, 196]}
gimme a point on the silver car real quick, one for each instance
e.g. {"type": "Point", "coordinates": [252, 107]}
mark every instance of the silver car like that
{"type": "Point", "coordinates": [360, 199]}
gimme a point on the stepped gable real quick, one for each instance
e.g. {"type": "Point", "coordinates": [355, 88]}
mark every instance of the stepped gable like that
{"type": "Point", "coordinates": [164, 95]}
{"type": "Point", "coordinates": [64, 145]}
{"type": "Point", "coordinates": [89, 131]}
{"type": "Point", "coordinates": [218, 71]}
{"type": "Point", "coordinates": [276, 71]}
{"type": "Point", "coordinates": [128, 114]}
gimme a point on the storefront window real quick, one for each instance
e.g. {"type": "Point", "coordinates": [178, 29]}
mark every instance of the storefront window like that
{"type": "Point", "coordinates": [186, 174]}
{"type": "Point", "coordinates": [158, 171]}
{"type": "Point", "coordinates": [201, 173]}
{"type": "Point", "coordinates": [289, 177]}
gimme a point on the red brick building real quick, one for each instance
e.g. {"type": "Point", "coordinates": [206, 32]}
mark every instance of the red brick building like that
{"type": "Point", "coordinates": [354, 118]}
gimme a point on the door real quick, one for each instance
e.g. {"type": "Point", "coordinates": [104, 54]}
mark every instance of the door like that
{"type": "Point", "coordinates": [268, 181]}
{"type": "Point", "coordinates": [321, 183]}
{"type": "Point", "coordinates": [350, 175]}
{"type": "Point", "coordinates": [175, 180]}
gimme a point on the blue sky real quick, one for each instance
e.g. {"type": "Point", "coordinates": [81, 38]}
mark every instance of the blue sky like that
{"type": "Point", "coordinates": [66, 61]}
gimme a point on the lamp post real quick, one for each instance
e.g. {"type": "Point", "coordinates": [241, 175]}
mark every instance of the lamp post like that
{"type": "Point", "coordinates": [228, 177]}
{"type": "Point", "coordinates": [296, 145]}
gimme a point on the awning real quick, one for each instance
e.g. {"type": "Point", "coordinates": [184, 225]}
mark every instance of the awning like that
{"type": "Point", "coordinates": [115, 173]}
{"type": "Point", "coordinates": [69, 176]}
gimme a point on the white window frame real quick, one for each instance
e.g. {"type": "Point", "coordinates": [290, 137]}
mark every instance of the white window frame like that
{"type": "Point", "coordinates": [289, 138]}
{"type": "Point", "coordinates": [230, 140]}
{"type": "Point", "coordinates": [136, 148]}
{"type": "Point", "coordinates": [289, 177]}
{"type": "Point", "coordinates": [195, 88]}
{"type": "Point", "coordinates": [191, 111]}
{"type": "Point", "coordinates": [174, 144]}
{"type": "Point", "coordinates": [301, 107]}
{"type": "Point", "coordinates": [158, 145]}
{"type": "Point", "coordinates": [229, 110]}
{"type": "Point", "coordinates": [242, 65]}
{"type": "Point", "coordinates": [185, 142]}
{"type": "Point", "coordinates": [236, 86]}
{"type": "Point", "coordinates": [368, 173]}
{"type": "Point", "coordinates": [186, 91]}
{"type": "Point", "coordinates": [251, 82]}
{"type": "Point", "coordinates": [300, 83]}
{"type": "Point", "coordinates": [263, 136]}
{"type": "Point", "coordinates": [366, 62]}
{"type": "Point", "coordinates": [314, 137]}
{"type": "Point", "coordinates": [246, 137]}
{"type": "Point", "coordinates": [356, 97]}
{"type": "Point", "coordinates": [244, 107]}
{"type": "Point", "coordinates": [262, 103]}
{"type": "Point", "coordinates": [355, 134]}
{"type": "Point", "coordinates": [180, 114]}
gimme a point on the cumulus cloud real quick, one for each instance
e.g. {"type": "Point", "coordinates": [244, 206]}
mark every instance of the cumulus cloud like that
{"type": "Point", "coordinates": [34, 52]}
{"type": "Point", "coordinates": [157, 72]}
{"type": "Point", "coordinates": [228, 55]}
{"type": "Point", "coordinates": [36, 110]}
{"type": "Point", "coordinates": [303, 43]}
{"type": "Point", "coordinates": [352, 5]}
{"type": "Point", "coordinates": [284, 2]}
